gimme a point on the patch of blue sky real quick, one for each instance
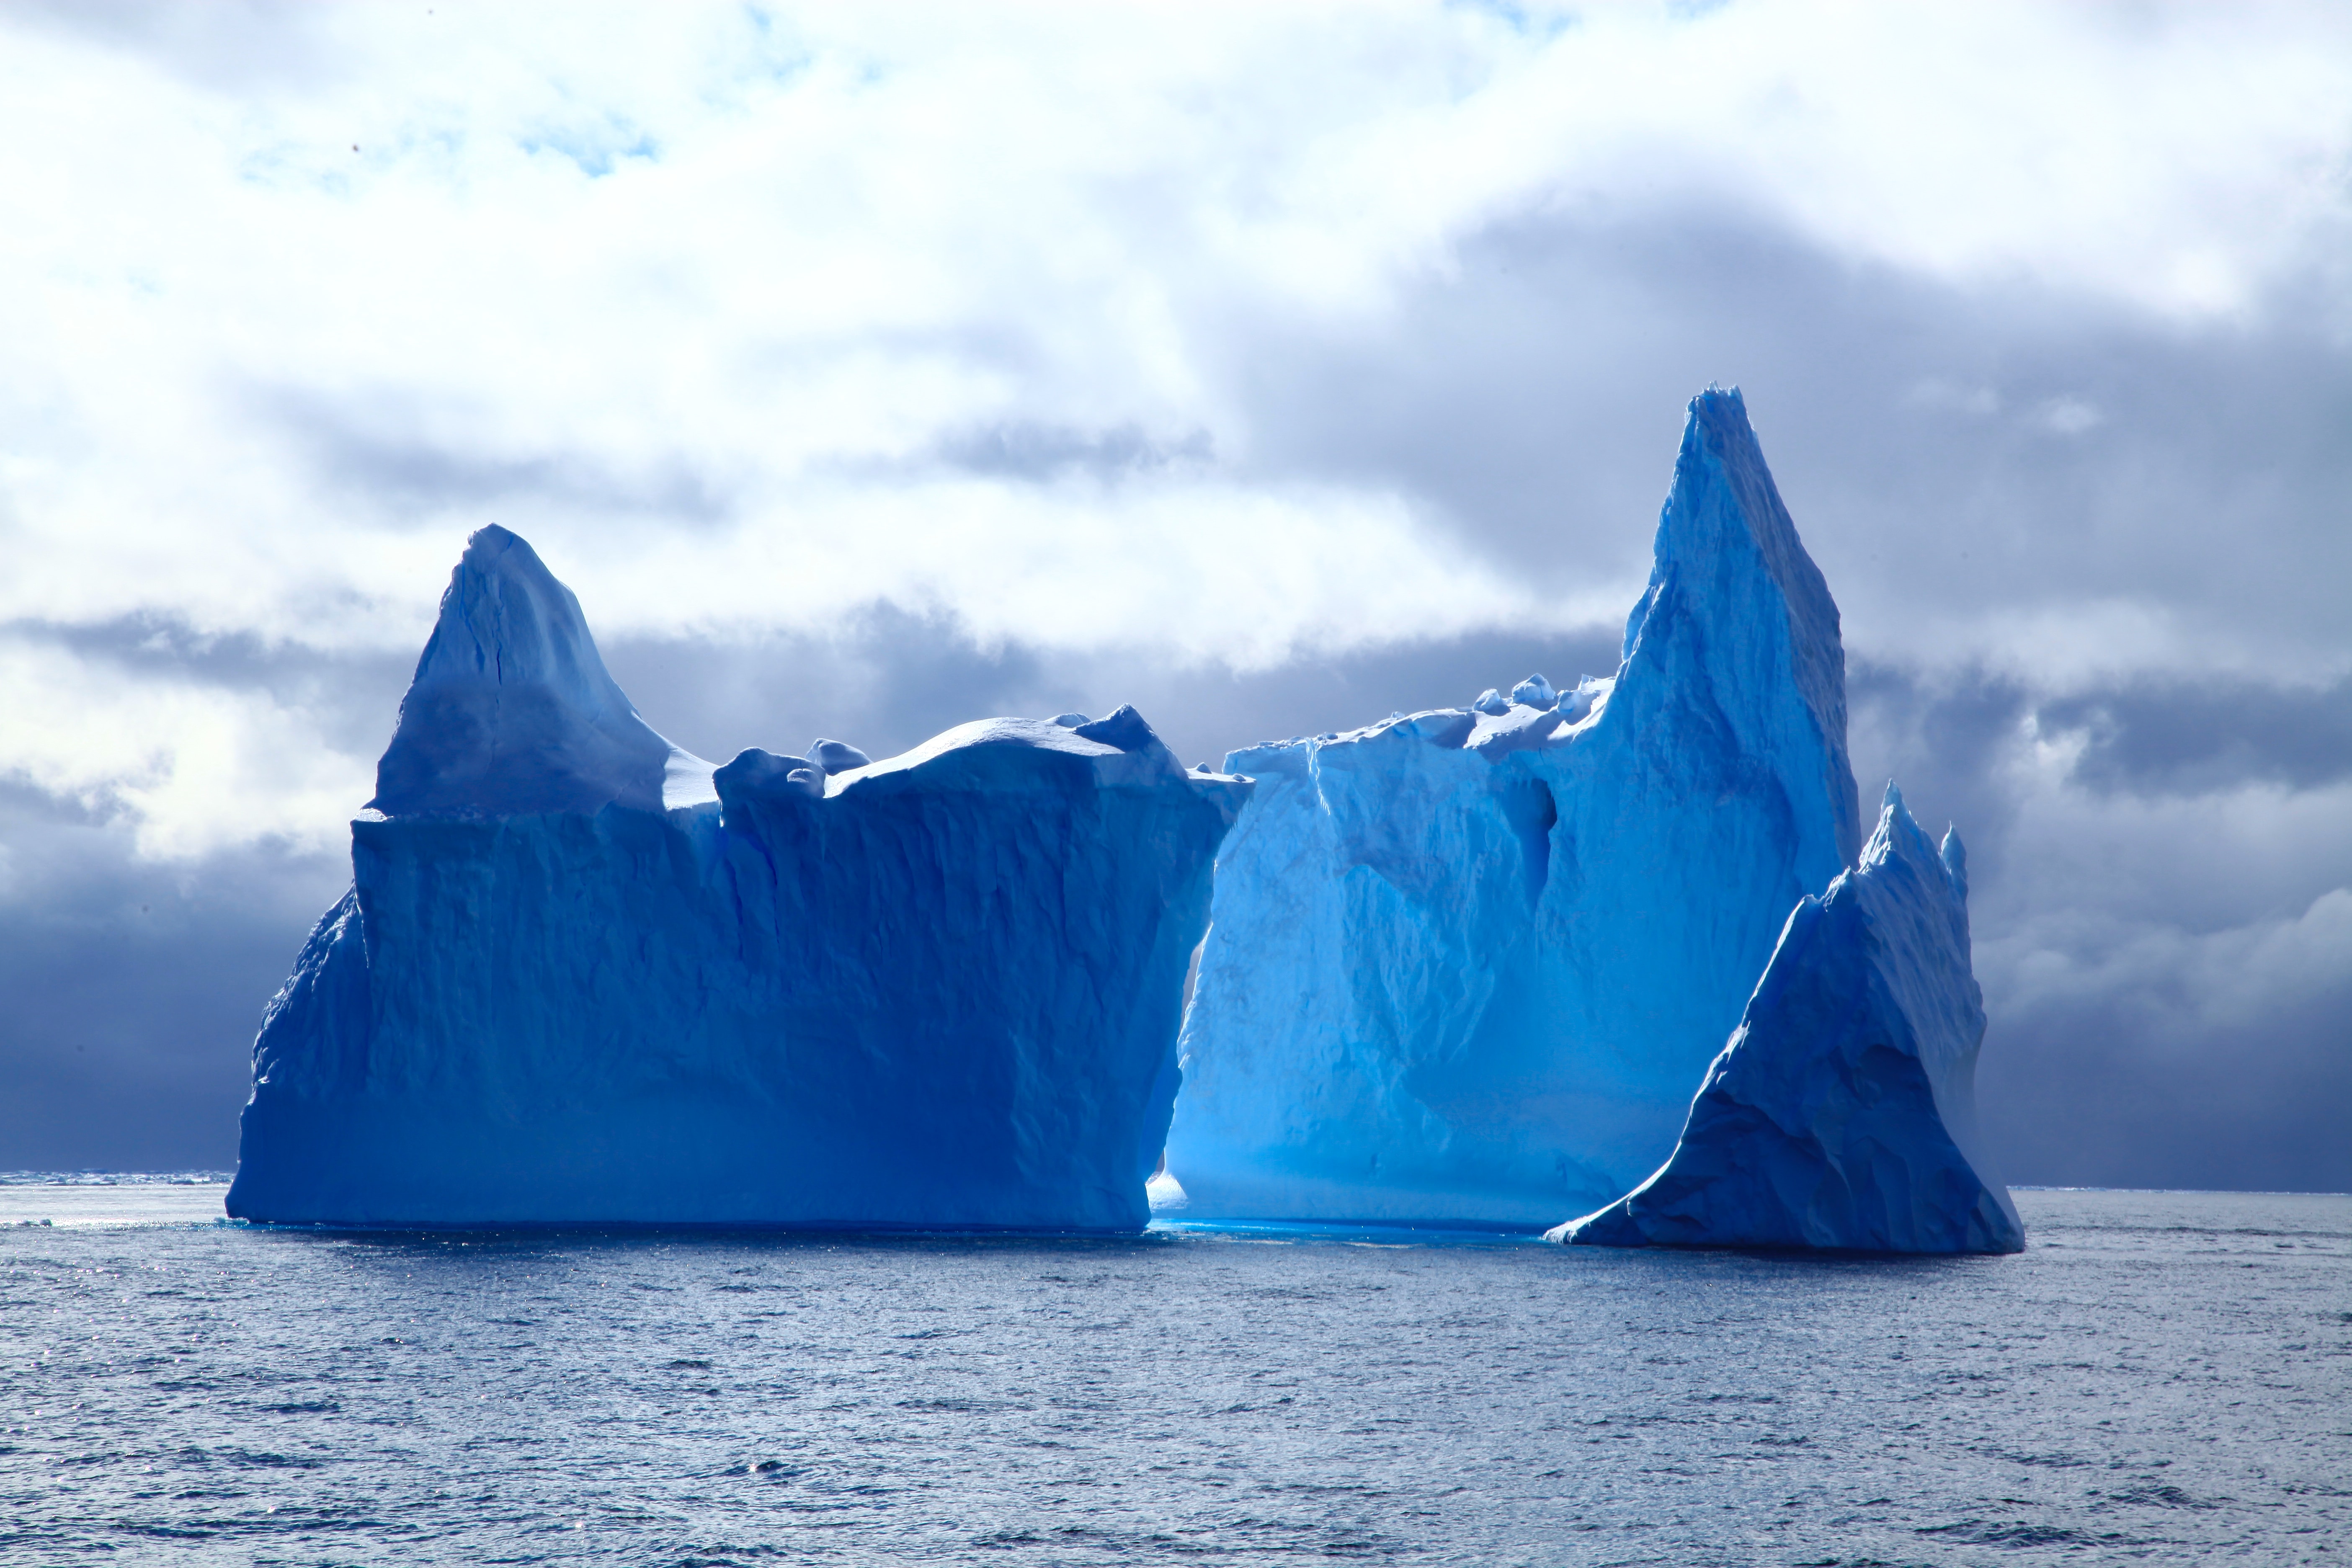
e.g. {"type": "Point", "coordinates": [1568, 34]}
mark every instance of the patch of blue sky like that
{"type": "Point", "coordinates": [596, 151]}
{"type": "Point", "coordinates": [1536, 23]}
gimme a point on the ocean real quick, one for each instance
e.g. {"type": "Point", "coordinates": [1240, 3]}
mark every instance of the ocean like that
{"type": "Point", "coordinates": [2161, 1377]}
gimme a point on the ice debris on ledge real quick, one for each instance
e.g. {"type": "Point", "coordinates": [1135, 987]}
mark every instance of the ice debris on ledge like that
{"type": "Point", "coordinates": [1466, 964]}
{"type": "Point", "coordinates": [1843, 1112]}
{"type": "Point", "coordinates": [582, 977]}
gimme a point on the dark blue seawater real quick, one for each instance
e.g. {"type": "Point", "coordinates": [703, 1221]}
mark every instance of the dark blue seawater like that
{"type": "Point", "coordinates": [2163, 1377]}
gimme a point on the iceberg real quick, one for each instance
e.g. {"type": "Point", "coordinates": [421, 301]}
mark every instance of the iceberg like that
{"type": "Point", "coordinates": [583, 976]}
{"type": "Point", "coordinates": [1465, 965]}
{"type": "Point", "coordinates": [1843, 1112]}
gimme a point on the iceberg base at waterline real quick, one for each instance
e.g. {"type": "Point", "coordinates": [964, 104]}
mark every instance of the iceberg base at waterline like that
{"type": "Point", "coordinates": [582, 977]}
{"type": "Point", "coordinates": [1842, 1113]}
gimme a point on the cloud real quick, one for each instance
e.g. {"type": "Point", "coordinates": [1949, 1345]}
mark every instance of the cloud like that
{"type": "Point", "coordinates": [2155, 1055]}
{"type": "Point", "coordinates": [2159, 920]}
{"type": "Point", "coordinates": [135, 987]}
{"type": "Point", "coordinates": [2167, 736]}
{"type": "Point", "coordinates": [186, 762]}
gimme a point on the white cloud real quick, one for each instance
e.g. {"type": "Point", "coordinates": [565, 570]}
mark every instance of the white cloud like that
{"type": "Point", "coordinates": [704, 300]}
{"type": "Point", "coordinates": [195, 768]}
{"type": "Point", "coordinates": [2070, 417]}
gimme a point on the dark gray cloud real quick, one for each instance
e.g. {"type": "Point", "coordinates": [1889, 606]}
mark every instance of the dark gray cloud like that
{"type": "Point", "coordinates": [2178, 1052]}
{"type": "Point", "coordinates": [378, 451]}
{"type": "Point", "coordinates": [2130, 1086]}
{"type": "Point", "coordinates": [354, 697]}
{"type": "Point", "coordinates": [1947, 455]}
{"type": "Point", "coordinates": [1947, 741]}
{"type": "Point", "coordinates": [134, 990]}
{"type": "Point", "coordinates": [2168, 736]}
{"type": "Point", "coordinates": [1035, 451]}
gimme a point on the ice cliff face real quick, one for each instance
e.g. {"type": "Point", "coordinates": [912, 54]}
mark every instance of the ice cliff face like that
{"type": "Point", "coordinates": [1467, 964]}
{"type": "Point", "coordinates": [1842, 1113]}
{"type": "Point", "coordinates": [579, 977]}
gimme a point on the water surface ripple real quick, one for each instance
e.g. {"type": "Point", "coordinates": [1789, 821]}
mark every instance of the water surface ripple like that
{"type": "Point", "coordinates": [2161, 1377]}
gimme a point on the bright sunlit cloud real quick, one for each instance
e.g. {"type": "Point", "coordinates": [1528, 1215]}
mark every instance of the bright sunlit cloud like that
{"type": "Point", "coordinates": [751, 317]}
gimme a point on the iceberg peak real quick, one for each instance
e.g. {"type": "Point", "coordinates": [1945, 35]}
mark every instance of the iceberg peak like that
{"type": "Point", "coordinates": [1468, 966]}
{"type": "Point", "coordinates": [1955, 857]}
{"type": "Point", "coordinates": [512, 709]}
{"type": "Point", "coordinates": [1727, 555]}
{"type": "Point", "coordinates": [1842, 1113]}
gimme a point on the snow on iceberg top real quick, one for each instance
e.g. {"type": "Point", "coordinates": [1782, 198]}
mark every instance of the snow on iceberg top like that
{"type": "Point", "coordinates": [512, 709]}
{"type": "Point", "coordinates": [1533, 716]}
{"type": "Point", "coordinates": [1120, 750]}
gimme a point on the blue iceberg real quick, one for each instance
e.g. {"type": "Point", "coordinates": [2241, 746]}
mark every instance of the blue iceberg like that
{"type": "Point", "coordinates": [583, 976]}
{"type": "Point", "coordinates": [1842, 1113]}
{"type": "Point", "coordinates": [1465, 964]}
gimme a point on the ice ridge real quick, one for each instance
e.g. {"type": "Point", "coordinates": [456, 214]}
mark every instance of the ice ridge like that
{"type": "Point", "coordinates": [1843, 1112]}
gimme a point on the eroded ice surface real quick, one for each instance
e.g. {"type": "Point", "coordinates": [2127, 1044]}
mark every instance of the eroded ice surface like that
{"type": "Point", "coordinates": [1842, 1113]}
{"type": "Point", "coordinates": [582, 977]}
{"type": "Point", "coordinates": [1467, 964]}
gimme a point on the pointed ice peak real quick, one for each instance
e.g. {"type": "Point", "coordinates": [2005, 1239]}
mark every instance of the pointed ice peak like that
{"type": "Point", "coordinates": [512, 709]}
{"type": "Point", "coordinates": [506, 619]}
{"type": "Point", "coordinates": [1899, 837]}
{"type": "Point", "coordinates": [1842, 1111]}
{"type": "Point", "coordinates": [1955, 857]}
{"type": "Point", "coordinates": [1491, 701]}
{"type": "Point", "coordinates": [1728, 548]}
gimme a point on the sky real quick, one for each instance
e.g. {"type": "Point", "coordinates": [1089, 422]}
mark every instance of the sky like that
{"type": "Point", "coordinates": [865, 370]}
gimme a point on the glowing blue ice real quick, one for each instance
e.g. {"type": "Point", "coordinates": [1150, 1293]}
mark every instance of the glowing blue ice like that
{"type": "Point", "coordinates": [1842, 1113]}
{"type": "Point", "coordinates": [1469, 964]}
{"type": "Point", "coordinates": [582, 977]}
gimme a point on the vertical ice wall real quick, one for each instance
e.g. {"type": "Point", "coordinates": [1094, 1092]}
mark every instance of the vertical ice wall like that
{"type": "Point", "coordinates": [1468, 964]}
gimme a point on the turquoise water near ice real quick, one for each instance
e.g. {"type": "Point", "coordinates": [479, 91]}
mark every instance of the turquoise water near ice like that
{"type": "Point", "coordinates": [2161, 1377]}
